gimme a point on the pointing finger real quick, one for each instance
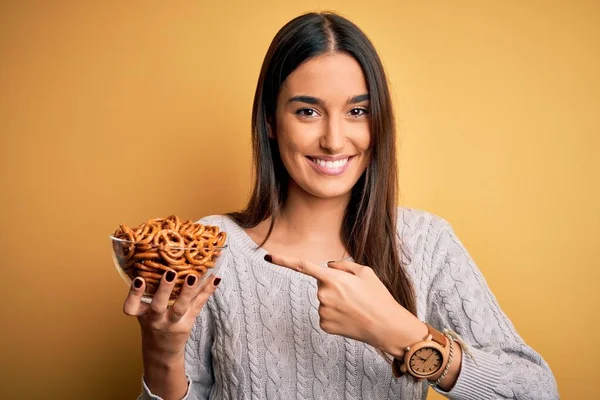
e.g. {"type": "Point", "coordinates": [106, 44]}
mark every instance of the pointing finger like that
{"type": "Point", "coordinates": [302, 266]}
{"type": "Point", "coordinates": [347, 266]}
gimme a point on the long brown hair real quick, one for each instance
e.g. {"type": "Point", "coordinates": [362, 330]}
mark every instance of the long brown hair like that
{"type": "Point", "coordinates": [369, 224]}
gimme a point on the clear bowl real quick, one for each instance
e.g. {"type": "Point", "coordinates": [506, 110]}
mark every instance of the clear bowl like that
{"type": "Point", "coordinates": [151, 261]}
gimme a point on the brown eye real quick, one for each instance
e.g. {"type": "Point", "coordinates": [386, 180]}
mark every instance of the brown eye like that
{"type": "Point", "coordinates": [306, 112]}
{"type": "Point", "coordinates": [358, 112]}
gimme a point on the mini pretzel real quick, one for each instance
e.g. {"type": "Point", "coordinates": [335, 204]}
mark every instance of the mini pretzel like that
{"type": "Point", "coordinates": [165, 244]}
{"type": "Point", "coordinates": [147, 255]}
{"type": "Point", "coordinates": [197, 253]}
{"type": "Point", "coordinates": [124, 250]}
{"type": "Point", "coordinates": [154, 265]}
{"type": "Point", "coordinates": [145, 234]}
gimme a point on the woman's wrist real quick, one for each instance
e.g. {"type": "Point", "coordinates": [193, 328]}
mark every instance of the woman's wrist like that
{"type": "Point", "coordinates": [161, 359]}
{"type": "Point", "coordinates": [165, 377]}
{"type": "Point", "coordinates": [404, 330]}
{"type": "Point", "coordinates": [162, 349]}
{"type": "Point", "coordinates": [164, 369]}
{"type": "Point", "coordinates": [454, 370]}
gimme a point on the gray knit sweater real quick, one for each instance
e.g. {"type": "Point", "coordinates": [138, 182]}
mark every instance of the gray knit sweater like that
{"type": "Point", "coordinates": [258, 336]}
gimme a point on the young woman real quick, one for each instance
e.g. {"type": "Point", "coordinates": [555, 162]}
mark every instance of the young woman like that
{"type": "Point", "coordinates": [406, 307]}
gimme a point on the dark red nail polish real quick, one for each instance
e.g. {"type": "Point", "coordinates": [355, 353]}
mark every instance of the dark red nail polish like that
{"type": "Point", "coordinates": [170, 276]}
{"type": "Point", "coordinates": [217, 281]}
{"type": "Point", "coordinates": [269, 258]}
{"type": "Point", "coordinates": [191, 279]}
{"type": "Point", "coordinates": [137, 283]}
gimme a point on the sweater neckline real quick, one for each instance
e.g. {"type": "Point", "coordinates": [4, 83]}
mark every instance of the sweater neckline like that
{"type": "Point", "coordinates": [257, 253]}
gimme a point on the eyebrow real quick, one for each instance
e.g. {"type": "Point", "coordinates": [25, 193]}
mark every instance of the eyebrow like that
{"type": "Point", "coordinates": [316, 101]}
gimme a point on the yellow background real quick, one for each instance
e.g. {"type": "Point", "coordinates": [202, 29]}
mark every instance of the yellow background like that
{"type": "Point", "coordinates": [120, 111]}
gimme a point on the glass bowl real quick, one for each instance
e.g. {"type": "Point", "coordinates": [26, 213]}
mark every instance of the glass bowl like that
{"type": "Point", "coordinates": [150, 261]}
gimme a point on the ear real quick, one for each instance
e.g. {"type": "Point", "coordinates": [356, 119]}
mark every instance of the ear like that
{"type": "Point", "coordinates": [270, 132]}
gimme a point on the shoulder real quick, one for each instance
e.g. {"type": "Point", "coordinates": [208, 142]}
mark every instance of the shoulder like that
{"type": "Point", "coordinates": [215, 219]}
{"type": "Point", "coordinates": [236, 237]}
{"type": "Point", "coordinates": [429, 242]}
{"type": "Point", "coordinates": [425, 236]}
{"type": "Point", "coordinates": [414, 224]}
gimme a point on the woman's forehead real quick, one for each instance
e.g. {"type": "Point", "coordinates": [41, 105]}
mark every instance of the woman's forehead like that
{"type": "Point", "coordinates": [331, 77]}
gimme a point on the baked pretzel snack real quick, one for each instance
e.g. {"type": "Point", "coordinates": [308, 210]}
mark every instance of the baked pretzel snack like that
{"type": "Point", "coordinates": [164, 244]}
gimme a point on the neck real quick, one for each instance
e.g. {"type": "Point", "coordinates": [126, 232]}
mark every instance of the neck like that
{"type": "Point", "coordinates": [307, 216]}
{"type": "Point", "coordinates": [308, 227]}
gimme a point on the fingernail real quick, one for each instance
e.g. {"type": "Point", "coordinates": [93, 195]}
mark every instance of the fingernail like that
{"type": "Point", "coordinates": [171, 276]}
{"type": "Point", "coordinates": [217, 281]}
{"type": "Point", "coordinates": [269, 258]}
{"type": "Point", "coordinates": [329, 262]}
{"type": "Point", "coordinates": [137, 283]}
{"type": "Point", "coordinates": [191, 279]}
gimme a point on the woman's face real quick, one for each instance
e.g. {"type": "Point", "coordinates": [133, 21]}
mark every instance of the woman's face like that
{"type": "Point", "coordinates": [322, 125]}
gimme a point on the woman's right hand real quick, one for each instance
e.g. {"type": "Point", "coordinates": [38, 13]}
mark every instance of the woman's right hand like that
{"type": "Point", "coordinates": [166, 330]}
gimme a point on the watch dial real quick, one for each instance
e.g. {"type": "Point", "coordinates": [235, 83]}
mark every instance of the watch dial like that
{"type": "Point", "coordinates": [426, 361]}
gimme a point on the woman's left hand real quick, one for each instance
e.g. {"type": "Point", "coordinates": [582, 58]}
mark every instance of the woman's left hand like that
{"type": "Point", "coordinates": [354, 303]}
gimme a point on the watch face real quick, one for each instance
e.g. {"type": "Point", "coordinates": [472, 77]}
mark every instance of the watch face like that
{"type": "Point", "coordinates": [426, 361]}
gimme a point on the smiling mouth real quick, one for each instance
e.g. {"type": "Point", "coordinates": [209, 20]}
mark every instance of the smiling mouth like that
{"type": "Point", "coordinates": [329, 167]}
{"type": "Point", "coordinates": [330, 164]}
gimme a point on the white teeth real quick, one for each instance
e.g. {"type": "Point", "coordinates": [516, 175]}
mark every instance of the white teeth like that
{"type": "Point", "coordinates": [331, 164]}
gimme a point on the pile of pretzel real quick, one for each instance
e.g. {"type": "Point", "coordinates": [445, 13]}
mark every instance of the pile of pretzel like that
{"type": "Point", "coordinates": [164, 244]}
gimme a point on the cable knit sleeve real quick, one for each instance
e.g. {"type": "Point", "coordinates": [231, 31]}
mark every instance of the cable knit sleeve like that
{"type": "Point", "coordinates": [198, 360]}
{"type": "Point", "coordinates": [503, 366]}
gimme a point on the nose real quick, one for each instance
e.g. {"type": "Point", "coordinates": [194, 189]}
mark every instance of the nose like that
{"type": "Point", "coordinates": [333, 136]}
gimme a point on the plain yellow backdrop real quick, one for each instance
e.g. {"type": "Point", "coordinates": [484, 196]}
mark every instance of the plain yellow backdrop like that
{"type": "Point", "coordinates": [116, 111]}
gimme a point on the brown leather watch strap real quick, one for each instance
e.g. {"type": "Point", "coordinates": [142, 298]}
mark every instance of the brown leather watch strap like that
{"type": "Point", "coordinates": [437, 336]}
{"type": "Point", "coordinates": [396, 364]}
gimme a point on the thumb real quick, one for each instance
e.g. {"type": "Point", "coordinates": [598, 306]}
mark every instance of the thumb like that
{"type": "Point", "coordinates": [346, 266]}
{"type": "Point", "coordinates": [133, 305]}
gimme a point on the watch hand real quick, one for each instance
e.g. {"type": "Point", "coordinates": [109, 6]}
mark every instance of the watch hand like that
{"type": "Point", "coordinates": [428, 362]}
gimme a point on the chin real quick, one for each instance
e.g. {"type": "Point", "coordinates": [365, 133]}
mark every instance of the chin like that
{"type": "Point", "coordinates": [329, 190]}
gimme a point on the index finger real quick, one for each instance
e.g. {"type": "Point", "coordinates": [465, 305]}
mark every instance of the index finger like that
{"type": "Point", "coordinates": [296, 264]}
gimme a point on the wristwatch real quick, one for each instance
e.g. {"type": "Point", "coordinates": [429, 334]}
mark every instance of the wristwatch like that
{"type": "Point", "coordinates": [425, 359]}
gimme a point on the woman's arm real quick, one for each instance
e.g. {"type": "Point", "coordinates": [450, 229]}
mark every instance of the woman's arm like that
{"type": "Point", "coordinates": [192, 374]}
{"type": "Point", "coordinates": [354, 303]}
{"type": "Point", "coordinates": [502, 364]}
